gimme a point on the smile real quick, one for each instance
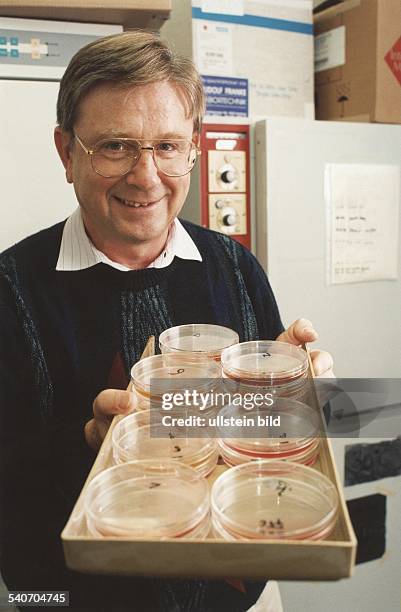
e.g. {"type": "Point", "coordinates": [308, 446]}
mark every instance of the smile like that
{"type": "Point", "coordinates": [134, 204]}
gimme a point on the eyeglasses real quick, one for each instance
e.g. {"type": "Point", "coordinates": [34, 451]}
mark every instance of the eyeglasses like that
{"type": "Point", "coordinates": [116, 157]}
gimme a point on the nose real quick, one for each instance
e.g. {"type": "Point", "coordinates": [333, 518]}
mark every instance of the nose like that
{"type": "Point", "coordinates": [144, 174]}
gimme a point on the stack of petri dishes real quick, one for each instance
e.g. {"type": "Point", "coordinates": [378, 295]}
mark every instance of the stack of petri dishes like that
{"type": "Point", "coordinates": [153, 376]}
{"type": "Point", "coordinates": [287, 430]}
{"type": "Point", "coordinates": [199, 338]}
{"type": "Point", "coordinates": [148, 499]}
{"type": "Point", "coordinates": [269, 499]}
{"type": "Point", "coordinates": [134, 438]}
{"type": "Point", "coordinates": [269, 365]}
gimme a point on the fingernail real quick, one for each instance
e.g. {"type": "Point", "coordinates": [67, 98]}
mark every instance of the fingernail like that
{"type": "Point", "coordinates": [309, 330]}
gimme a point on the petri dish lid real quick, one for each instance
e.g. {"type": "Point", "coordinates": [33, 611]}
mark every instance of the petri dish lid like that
{"type": "Point", "coordinates": [236, 456]}
{"type": "Point", "coordinates": [198, 338]}
{"type": "Point", "coordinates": [173, 372]}
{"type": "Point", "coordinates": [264, 362]}
{"type": "Point", "coordinates": [274, 499]}
{"type": "Point", "coordinates": [299, 425]}
{"type": "Point", "coordinates": [146, 498]}
{"type": "Point", "coordinates": [132, 439]}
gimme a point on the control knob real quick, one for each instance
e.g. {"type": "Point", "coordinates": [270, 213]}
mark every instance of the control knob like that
{"type": "Point", "coordinates": [229, 219]}
{"type": "Point", "coordinates": [228, 176]}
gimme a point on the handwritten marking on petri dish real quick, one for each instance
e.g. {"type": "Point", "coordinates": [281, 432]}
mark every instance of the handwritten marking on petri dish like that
{"type": "Point", "coordinates": [266, 355]}
{"type": "Point", "coordinates": [282, 487]}
{"type": "Point", "coordinates": [177, 448]}
{"type": "Point", "coordinates": [179, 371]}
{"type": "Point", "coordinates": [197, 335]}
{"type": "Point", "coordinates": [153, 485]}
{"type": "Point", "coordinates": [272, 525]}
{"type": "Point", "coordinates": [171, 436]}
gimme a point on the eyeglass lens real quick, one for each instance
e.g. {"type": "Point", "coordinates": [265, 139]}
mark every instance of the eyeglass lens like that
{"type": "Point", "coordinates": [112, 158]}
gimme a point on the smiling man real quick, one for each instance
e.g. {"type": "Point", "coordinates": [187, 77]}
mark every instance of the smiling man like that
{"type": "Point", "coordinates": [134, 189]}
{"type": "Point", "coordinates": [78, 302]}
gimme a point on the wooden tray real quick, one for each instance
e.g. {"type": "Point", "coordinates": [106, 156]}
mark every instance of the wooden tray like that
{"type": "Point", "coordinates": [328, 559]}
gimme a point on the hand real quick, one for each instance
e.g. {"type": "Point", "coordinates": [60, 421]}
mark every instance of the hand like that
{"type": "Point", "coordinates": [302, 331]}
{"type": "Point", "coordinates": [106, 405]}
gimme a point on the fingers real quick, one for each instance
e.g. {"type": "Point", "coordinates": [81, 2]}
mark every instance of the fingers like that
{"type": "Point", "coordinates": [106, 405]}
{"type": "Point", "coordinates": [92, 435]}
{"type": "Point", "coordinates": [299, 332]}
{"type": "Point", "coordinates": [322, 364]}
{"type": "Point", "coordinates": [113, 401]}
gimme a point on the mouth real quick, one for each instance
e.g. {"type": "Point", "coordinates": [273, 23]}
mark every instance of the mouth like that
{"type": "Point", "coordinates": [138, 204]}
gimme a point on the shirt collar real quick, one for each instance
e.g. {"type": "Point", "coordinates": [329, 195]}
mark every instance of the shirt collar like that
{"type": "Point", "coordinates": [77, 252]}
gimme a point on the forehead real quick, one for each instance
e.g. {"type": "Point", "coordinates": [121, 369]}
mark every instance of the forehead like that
{"type": "Point", "coordinates": [147, 111]}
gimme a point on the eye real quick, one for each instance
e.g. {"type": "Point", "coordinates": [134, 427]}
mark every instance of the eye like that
{"type": "Point", "coordinates": [167, 146]}
{"type": "Point", "coordinates": [113, 146]}
{"type": "Point", "coordinates": [117, 149]}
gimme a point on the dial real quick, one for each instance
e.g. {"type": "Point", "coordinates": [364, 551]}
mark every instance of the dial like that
{"type": "Point", "coordinates": [228, 176]}
{"type": "Point", "coordinates": [229, 219]}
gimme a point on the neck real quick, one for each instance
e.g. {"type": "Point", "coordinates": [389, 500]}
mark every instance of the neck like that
{"type": "Point", "coordinates": [136, 256]}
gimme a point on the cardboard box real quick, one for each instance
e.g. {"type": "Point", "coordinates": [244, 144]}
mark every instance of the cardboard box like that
{"type": "Point", "coordinates": [280, 559]}
{"type": "Point", "coordinates": [149, 14]}
{"type": "Point", "coordinates": [328, 559]}
{"type": "Point", "coordinates": [358, 61]}
{"type": "Point", "coordinates": [269, 43]}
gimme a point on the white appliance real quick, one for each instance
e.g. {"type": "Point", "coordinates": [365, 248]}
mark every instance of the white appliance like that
{"type": "Point", "coordinates": [358, 322]}
{"type": "Point", "coordinates": [33, 191]}
{"type": "Point", "coordinates": [33, 56]}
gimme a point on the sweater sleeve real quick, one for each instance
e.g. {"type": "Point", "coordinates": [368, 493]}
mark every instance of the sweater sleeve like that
{"type": "Point", "coordinates": [34, 457]}
{"type": "Point", "coordinates": [261, 295]}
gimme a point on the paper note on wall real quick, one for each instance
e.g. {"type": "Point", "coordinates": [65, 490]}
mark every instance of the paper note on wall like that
{"type": "Point", "coordinates": [362, 203]}
{"type": "Point", "coordinates": [213, 47]}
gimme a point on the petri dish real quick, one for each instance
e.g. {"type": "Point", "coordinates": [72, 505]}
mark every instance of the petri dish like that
{"type": "Point", "coordinates": [153, 376]}
{"type": "Point", "coordinates": [201, 531]}
{"type": "Point", "coordinates": [132, 439]}
{"type": "Point", "coordinates": [268, 499]}
{"type": "Point", "coordinates": [264, 362]}
{"type": "Point", "coordinates": [198, 338]}
{"type": "Point", "coordinates": [146, 499]}
{"type": "Point", "coordinates": [294, 426]}
{"type": "Point", "coordinates": [234, 456]}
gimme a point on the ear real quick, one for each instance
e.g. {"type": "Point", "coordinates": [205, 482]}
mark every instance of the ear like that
{"type": "Point", "coordinates": [196, 138]}
{"type": "Point", "coordinates": [63, 142]}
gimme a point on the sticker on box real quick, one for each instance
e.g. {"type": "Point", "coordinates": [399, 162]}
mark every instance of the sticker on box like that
{"type": "Point", "coordinates": [226, 96]}
{"type": "Point", "coordinates": [393, 59]}
{"type": "Point", "coordinates": [330, 49]}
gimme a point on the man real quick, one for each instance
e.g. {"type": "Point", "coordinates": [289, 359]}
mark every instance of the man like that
{"type": "Point", "coordinates": [79, 300]}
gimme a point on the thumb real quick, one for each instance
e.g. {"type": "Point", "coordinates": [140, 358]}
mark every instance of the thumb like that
{"type": "Point", "coordinates": [298, 332]}
{"type": "Point", "coordinates": [113, 401]}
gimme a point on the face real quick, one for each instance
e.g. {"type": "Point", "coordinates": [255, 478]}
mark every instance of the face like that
{"type": "Point", "coordinates": [110, 210]}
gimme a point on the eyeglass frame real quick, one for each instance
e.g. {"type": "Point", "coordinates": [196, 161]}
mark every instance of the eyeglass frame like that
{"type": "Point", "coordinates": [91, 152]}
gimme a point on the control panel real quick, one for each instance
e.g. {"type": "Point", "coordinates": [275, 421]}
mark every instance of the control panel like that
{"type": "Point", "coordinates": [225, 198]}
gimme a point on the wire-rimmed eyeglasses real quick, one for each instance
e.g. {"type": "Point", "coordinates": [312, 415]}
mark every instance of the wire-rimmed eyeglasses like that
{"type": "Point", "coordinates": [116, 157]}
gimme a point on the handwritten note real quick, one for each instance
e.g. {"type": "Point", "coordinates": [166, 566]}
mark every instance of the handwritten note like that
{"type": "Point", "coordinates": [362, 203]}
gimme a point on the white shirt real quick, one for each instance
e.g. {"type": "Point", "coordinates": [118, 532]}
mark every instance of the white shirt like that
{"type": "Point", "coordinates": [77, 251]}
